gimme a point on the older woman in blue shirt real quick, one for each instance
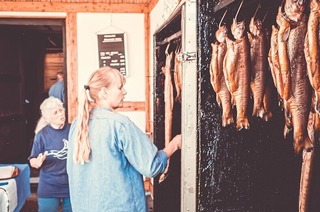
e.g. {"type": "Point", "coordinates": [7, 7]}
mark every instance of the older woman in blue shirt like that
{"type": "Point", "coordinates": [108, 154]}
{"type": "Point", "coordinates": [49, 154]}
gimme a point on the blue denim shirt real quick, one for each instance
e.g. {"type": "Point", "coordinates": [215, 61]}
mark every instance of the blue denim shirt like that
{"type": "Point", "coordinates": [120, 154]}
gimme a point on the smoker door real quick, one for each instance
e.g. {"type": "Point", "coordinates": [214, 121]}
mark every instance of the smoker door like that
{"type": "Point", "coordinates": [189, 107]}
{"type": "Point", "coordinates": [178, 191]}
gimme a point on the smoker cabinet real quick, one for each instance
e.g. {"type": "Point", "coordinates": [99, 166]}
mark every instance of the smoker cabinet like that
{"type": "Point", "coordinates": [170, 195]}
{"type": "Point", "coordinates": [220, 168]}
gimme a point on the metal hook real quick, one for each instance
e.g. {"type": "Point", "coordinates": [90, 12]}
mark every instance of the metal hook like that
{"type": "Point", "coordinates": [223, 17]}
{"type": "Point", "coordinates": [236, 16]}
{"type": "Point", "coordinates": [255, 13]}
{"type": "Point", "coordinates": [178, 48]}
{"type": "Point", "coordinates": [264, 18]}
{"type": "Point", "coordinates": [167, 49]}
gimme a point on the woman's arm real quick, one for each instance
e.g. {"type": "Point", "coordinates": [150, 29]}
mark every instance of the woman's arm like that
{"type": "Point", "coordinates": [173, 146]}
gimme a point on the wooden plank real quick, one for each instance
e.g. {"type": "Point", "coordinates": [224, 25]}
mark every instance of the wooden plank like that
{"type": "Point", "coordinates": [72, 65]}
{"type": "Point", "coordinates": [21, 6]}
{"type": "Point", "coordinates": [152, 4]}
{"type": "Point", "coordinates": [132, 106]}
{"type": "Point", "coordinates": [147, 71]}
{"type": "Point", "coordinates": [53, 63]}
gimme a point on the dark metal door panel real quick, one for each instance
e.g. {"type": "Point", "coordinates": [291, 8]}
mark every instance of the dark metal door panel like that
{"type": "Point", "coordinates": [12, 122]}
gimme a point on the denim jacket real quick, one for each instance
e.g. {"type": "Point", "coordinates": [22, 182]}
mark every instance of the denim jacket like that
{"type": "Point", "coordinates": [120, 155]}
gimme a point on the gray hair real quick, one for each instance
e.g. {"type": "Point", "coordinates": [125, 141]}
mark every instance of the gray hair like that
{"type": "Point", "coordinates": [46, 106]}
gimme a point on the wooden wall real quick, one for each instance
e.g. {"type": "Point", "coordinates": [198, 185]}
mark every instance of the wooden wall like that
{"type": "Point", "coordinates": [71, 10]}
{"type": "Point", "coordinates": [53, 63]}
{"type": "Point", "coordinates": [71, 60]}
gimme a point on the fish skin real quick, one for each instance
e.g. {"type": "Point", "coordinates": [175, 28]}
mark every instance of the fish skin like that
{"type": "Point", "coordinates": [215, 72]}
{"type": "Point", "coordinates": [177, 75]}
{"type": "Point", "coordinates": [168, 98]}
{"type": "Point", "coordinates": [258, 57]}
{"type": "Point", "coordinates": [273, 59]}
{"type": "Point", "coordinates": [283, 35]}
{"type": "Point", "coordinates": [218, 81]}
{"type": "Point", "coordinates": [168, 102]}
{"type": "Point", "coordinates": [315, 124]}
{"type": "Point", "coordinates": [307, 168]}
{"type": "Point", "coordinates": [267, 101]}
{"type": "Point", "coordinates": [312, 45]}
{"type": "Point", "coordinates": [300, 99]}
{"type": "Point", "coordinates": [237, 66]}
{"type": "Point", "coordinates": [224, 93]}
{"type": "Point", "coordinates": [294, 9]}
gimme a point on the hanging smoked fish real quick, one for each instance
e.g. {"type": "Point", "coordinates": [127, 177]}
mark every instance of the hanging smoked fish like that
{"type": "Point", "coordinates": [267, 100]}
{"type": "Point", "coordinates": [237, 66]}
{"type": "Point", "coordinates": [258, 57]}
{"type": "Point", "coordinates": [273, 59]}
{"type": "Point", "coordinates": [314, 122]}
{"type": "Point", "coordinates": [168, 102]}
{"type": "Point", "coordinates": [218, 81]}
{"type": "Point", "coordinates": [300, 97]}
{"type": "Point", "coordinates": [283, 35]}
{"type": "Point", "coordinates": [268, 97]}
{"type": "Point", "coordinates": [300, 94]}
{"type": "Point", "coordinates": [284, 67]}
{"type": "Point", "coordinates": [177, 74]}
{"type": "Point", "coordinates": [312, 50]}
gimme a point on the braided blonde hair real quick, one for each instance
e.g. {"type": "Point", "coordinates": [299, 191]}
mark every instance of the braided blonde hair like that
{"type": "Point", "coordinates": [103, 77]}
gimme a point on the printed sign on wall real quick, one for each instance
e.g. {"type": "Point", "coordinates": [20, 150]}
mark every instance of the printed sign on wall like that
{"type": "Point", "coordinates": [112, 51]}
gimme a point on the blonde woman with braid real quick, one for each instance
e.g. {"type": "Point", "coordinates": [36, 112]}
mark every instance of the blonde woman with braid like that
{"type": "Point", "coordinates": [108, 154]}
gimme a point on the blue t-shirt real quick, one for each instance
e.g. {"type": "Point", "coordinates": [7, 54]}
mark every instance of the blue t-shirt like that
{"type": "Point", "coordinates": [53, 179]}
{"type": "Point", "coordinates": [57, 90]}
{"type": "Point", "coordinates": [120, 154]}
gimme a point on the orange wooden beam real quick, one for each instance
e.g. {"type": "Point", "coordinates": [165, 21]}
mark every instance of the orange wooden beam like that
{"type": "Point", "coordinates": [72, 65]}
{"type": "Point", "coordinates": [74, 7]}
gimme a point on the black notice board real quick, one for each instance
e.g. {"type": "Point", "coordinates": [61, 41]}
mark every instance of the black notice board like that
{"type": "Point", "coordinates": [112, 51]}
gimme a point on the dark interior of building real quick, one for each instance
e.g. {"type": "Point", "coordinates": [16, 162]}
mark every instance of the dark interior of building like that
{"type": "Point", "coordinates": [23, 46]}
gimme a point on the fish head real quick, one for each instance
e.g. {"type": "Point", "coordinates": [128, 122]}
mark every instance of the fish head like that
{"type": "Point", "coordinates": [255, 26]}
{"type": "Point", "coordinates": [221, 34]}
{"type": "Point", "coordinates": [238, 29]}
{"type": "Point", "coordinates": [281, 20]}
{"type": "Point", "coordinates": [294, 9]}
{"type": "Point", "coordinates": [315, 5]}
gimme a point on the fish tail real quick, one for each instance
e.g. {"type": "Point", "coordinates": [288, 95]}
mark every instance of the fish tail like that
{"type": "Point", "coordinates": [258, 112]}
{"type": "Point", "coordinates": [302, 142]}
{"type": "Point", "coordinates": [227, 120]}
{"type": "Point", "coordinates": [305, 179]}
{"type": "Point", "coordinates": [317, 102]}
{"type": "Point", "coordinates": [242, 123]}
{"type": "Point", "coordinates": [267, 116]}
